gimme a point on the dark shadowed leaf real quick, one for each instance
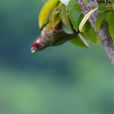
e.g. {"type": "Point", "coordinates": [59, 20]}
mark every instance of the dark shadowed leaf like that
{"type": "Point", "coordinates": [110, 19]}
{"type": "Point", "coordinates": [80, 41]}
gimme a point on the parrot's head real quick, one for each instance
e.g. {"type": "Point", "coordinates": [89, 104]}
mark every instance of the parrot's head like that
{"type": "Point", "coordinates": [38, 45]}
{"type": "Point", "coordinates": [35, 46]}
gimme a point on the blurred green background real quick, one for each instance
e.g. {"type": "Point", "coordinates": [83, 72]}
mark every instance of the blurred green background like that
{"type": "Point", "coordinates": [59, 80]}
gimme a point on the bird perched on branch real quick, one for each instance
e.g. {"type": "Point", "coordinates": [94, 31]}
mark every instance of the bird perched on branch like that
{"type": "Point", "coordinates": [50, 23]}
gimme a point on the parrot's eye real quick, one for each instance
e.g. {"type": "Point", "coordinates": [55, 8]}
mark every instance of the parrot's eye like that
{"type": "Point", "coordinates": [35, 47]}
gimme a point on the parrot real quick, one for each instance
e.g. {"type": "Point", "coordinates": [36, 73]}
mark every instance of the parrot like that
{"type": "Point", "coordinates": [48, 38]}
{"type": "Point", "coordinates": [52, 33]}
{"type": "Point", "coordinates": [56, 28]}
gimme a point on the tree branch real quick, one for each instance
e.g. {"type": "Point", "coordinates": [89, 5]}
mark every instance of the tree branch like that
{"type": "Point", "coordinates": [103, 33]}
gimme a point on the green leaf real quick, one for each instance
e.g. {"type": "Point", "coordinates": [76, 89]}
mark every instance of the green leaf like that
{"type": "Point", "coordinates": [100, 19]}
{"type": "Point", "coordinates": [87, 27]}
{"type": "Point", "coordinates": [101, 7]}
{"type": "Point", "coordinates": [66, 29]}
{"type": "Point", "coordinates": [110, 20]}
{"type": "Point", "coordinates": [75, 13]}
{"type": "Point", "coordinates": [113, 6]}
{"type": "Point", "coordinates": [66, 24]}
{"type": "Point", "coordinates": [92, 36]}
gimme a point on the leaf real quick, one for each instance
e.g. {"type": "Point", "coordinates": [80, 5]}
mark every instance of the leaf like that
{"type": "Point", "coordinates": [86, 17]}
{"type": "Point", "coordinates": [66, 29]}
{"type": "Point", "coordinates": [110, 20]}
{"type": "Point", "coordinates": [100, 19]}
{"type": "Point", "coordinates": [80, 41]}
{"type": "Point", "coordinates": [66, 24]}
{"type": "Point", "coordinates": [87, 27]}
{"type": "Point", "coordinates": [75, 14]}
{"type": "Point", "coordinates": [89, 33]}
{"type": "Point", "coordinates": [101, 7]}
{"type": "Point", "coordinates": [45, 12]}
{"type": "Point", "coordinates": [92, 36]}
{"type": "Point", "coordinates": [55, 19]}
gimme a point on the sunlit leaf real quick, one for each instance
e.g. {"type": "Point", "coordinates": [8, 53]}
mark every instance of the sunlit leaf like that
{"type": "Point", "coordinates": [45, 12]}
{"type": "Point", "coordinates": [86, 17]}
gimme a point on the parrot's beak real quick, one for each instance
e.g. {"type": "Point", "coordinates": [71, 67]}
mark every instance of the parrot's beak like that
{"type": "Point", "coordinates": [35, 47]}
{"type": "Point", "coordinates": [33, 50]}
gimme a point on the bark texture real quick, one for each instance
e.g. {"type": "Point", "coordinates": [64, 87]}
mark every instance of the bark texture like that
{"type": "Point", "coordinates": [103, 33]}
